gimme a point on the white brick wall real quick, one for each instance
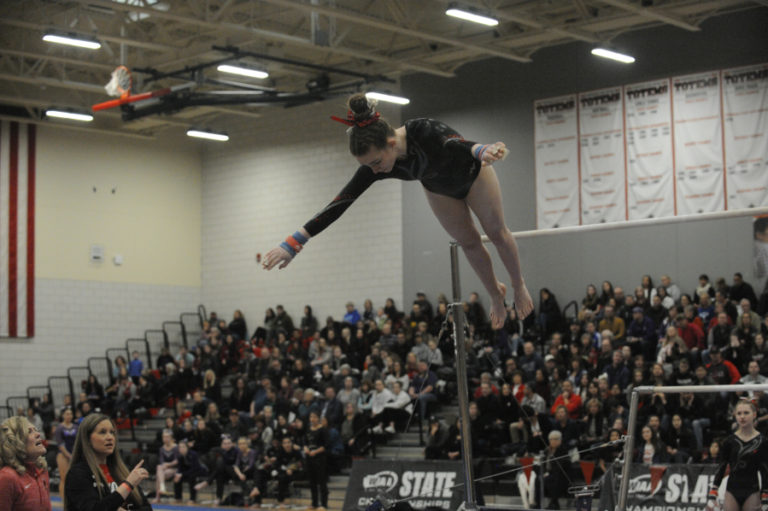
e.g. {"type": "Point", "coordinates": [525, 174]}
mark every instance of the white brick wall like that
{"type": "Point", "coordinates": [78, 319]}
{"type": "Point", "coordinates": [272, 177]}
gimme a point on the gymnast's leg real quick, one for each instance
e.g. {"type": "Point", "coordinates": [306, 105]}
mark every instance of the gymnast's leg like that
{"type": "Point", "coordinates": [485, 201]}
{"type": "Point", "coordinates": [752, 503]}
{"type": "Point", "coordinates": [456, 219]}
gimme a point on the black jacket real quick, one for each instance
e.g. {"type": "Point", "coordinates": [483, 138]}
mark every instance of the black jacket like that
{"type": "Point", "coordinates": [83, 495]}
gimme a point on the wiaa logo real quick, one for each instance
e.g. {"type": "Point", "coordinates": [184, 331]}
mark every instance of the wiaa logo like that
{"type": "Point", "coordinates": [380, 482]}
{"type": "Point", "coordinates": [642, 484]}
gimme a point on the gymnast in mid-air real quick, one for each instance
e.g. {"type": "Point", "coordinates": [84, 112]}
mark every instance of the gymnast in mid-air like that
{"type": "Point", "coordinates": [457, 177]}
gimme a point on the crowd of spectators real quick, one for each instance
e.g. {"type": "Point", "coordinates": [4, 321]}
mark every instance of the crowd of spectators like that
{"type": "Point", "coordinates": [542, 386]}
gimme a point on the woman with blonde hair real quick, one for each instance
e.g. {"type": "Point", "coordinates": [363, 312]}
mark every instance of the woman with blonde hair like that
{"type": "Point", "coordinates": [98, 478]}
{"type": "Point", "coordinates": [24, 482]}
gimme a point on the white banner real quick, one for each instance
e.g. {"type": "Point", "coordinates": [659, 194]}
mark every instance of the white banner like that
{"type": "Point", "coordinates": [601, 134]}
{"type": "Point", "coordinates": [650, 166]}
{"type": "Point", "coordinates": [745, 102]}
{"type": "Point", "coordinates": [698, 143]}
{"type": "Point", "coordinates": [557, 162]}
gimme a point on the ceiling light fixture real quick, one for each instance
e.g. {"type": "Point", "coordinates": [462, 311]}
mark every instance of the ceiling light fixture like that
{"type": "Point", "coordinates": [472, 16]}
{"type": "Point", "coordinates": [613, 55]}
{"type": "Point", "coordinates": [242, 71]}
{"type": "Point", "coordinates": [72, 40]}
{"type": "Point", "coordinates": [66, 114]}
{"type": "Point", "coordinates": [389, 98]}
{"type": "Point", "coordinates": [208, 135]}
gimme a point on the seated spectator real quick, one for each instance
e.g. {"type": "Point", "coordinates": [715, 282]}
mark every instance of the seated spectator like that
{"type": "Point", "coordinates": [398, 410]}
{"type": "Point", "coordinates": [571, 401]}
{"type": "Point", "coordinates": [189, 468]}
{"type": "Point", "coordinates": [422, 388]}
{"type": "Point", "coordinates": [354, 431]}
{"type": "Point", "coordinates": [534, 400]}
{"type": "Point", "coordinates": [641, 334]}
{"type": "Point", "coordinates": [613, 323]}
{"type": "Point", "coordinates": [651, 451]}
{"type": "Point", "coordinates": [722, 371]}
{"type": "Point", "coordinates": [287, 465]}
{"type": "Point", "coordinates": [712, 455]}
{"type": "Point", "coordinates": [537, 428]}
{"type": "Point", "coordinates": [742, 290]}
{"type": "Point", "coordinates": [204, 437]}
{"type": "Point", "coordinates": [223, 469]}
{"type": "Point", "coordinates": [609, 454]}
{"type": "Point", "coordinates": [672, 348]}
{"type": "Point", "coordinates": [167, 461]}
{"type": "Point", "coordinates": [437, 438]}
{"type": "Point", "coordinates": [556, 469]}
{"type": "Point", "coordinates": [235, 427]}
{"type": "Point", "coordinates": [550, 318]}
{"type": "Point", "coordinates": [594, 425]}
{"type": "Point", "coordinates": [679, 440]}
{"type": "Point", "coordinates": [349, 394]}
{"type": "Point", "coordinates": [617, 371]}
{"type": "Point", "coordinates": [530, 361]}
{"type": "Point", "coordinates": [568, 427]}
{"type": "Point", "coordinates": [332, 409]}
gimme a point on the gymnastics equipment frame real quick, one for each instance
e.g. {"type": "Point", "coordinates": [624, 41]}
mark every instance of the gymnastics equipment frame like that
{"type": "Point", "coordinates": [461, 354]}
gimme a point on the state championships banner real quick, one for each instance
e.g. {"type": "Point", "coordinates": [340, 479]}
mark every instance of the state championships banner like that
{"type": "Point", "coordinates": [698, 143]}
{"type": "Point", "coordinates": [650, 166]}
{"type": "Point", "coordinates": [557, 162]}
{"type": "Point", "coordinates": [603, 171]}
{"type": "Point", "coordinates": [745, 101]}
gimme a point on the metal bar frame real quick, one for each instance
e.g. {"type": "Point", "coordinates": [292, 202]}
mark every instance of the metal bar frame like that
{"type": "Point", "coordinates": [631, 428]}
{"type": "Point", "coordinates": [461, 371]}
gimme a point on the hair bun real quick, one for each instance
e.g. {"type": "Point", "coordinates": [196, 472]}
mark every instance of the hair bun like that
{"type": "Point", "coordinates": [361, 106]}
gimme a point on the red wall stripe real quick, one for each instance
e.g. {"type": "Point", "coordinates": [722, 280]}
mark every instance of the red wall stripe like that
{"type": "Point", "coordinates": [31, 137]}
{"type": "Point", "coordinates": [13, 218]}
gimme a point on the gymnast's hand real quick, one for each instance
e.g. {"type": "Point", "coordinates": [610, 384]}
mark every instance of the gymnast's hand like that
{"type": "Point", "coordinates": [277, 255]}
{"type": "Point", "coordinates": [489, 153]}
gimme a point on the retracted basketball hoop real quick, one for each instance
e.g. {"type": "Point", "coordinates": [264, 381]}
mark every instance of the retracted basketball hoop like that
{"type": "Point", "coordinates": [120, 86]}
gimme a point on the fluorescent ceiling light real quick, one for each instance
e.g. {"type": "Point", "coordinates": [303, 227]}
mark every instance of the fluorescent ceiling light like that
{"type": "Point", "coordinates": [608, 54]}
{"type": "Point", "coordinates": [208, 135]}
{"type": "Point", "coordinates": [389, 98]}
{"type": "Point", "coordinates": [73, 116]}
{"type": "Point", "coordinates": [471, 16]}
{"type": "Point", "coordinates": [72, 40]}
{"type": "Point", "coordinates": [242, 71]}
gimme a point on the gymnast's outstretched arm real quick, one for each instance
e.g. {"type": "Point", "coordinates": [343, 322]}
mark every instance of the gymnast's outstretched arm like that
{"type": "Point", "coordinates": [287, 250]}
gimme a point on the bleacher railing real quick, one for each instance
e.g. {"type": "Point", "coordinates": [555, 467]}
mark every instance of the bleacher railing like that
{"type": "Point", "coordinates": [60, 386]}
{"type": "Point", "coordinates": [176, 333]}
{"type": "Point", "coordinates": [101, 368]}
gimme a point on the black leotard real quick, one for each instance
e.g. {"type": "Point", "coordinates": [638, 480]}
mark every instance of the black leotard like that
{"type": "Point", "coordinates": [436, 155]}
{"type": "Point", "coordinates": [745, 459]}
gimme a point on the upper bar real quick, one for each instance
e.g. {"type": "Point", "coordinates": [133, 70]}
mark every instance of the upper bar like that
{"type": "Point", "coordinates": [635, 223]}
{"type": "Point", "coordinates": [678, 389]}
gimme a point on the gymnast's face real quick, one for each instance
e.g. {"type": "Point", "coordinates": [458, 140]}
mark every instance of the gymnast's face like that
{"type": "Point", "coordinates": [380, 160]}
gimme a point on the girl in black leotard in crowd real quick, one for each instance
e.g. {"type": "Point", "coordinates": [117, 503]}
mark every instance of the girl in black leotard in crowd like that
{"type": "Point", "coordinates": [746, 453]}
{"type": "Point", "coordinates": [458, 179]}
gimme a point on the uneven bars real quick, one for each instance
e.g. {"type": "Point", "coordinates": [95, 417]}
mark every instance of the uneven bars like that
{"type": "Point", "coordinates": [644, 222]}
{"type": "Point", "coordinates": [632, 421]}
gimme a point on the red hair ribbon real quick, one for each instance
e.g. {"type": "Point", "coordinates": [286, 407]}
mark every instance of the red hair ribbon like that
{"type": "Point", "coordinates": [350, 120]}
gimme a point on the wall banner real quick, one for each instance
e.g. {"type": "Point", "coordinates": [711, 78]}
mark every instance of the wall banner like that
{"type": "Point", "coordinates": [603, 172]}
{"type": "Point", "coordinates": [698, 143]}
{"type": "Point", "coordinates": [557, 162]}
{"type": "Point", "coordinates": [745, 105]}
{"type": "Point", "coordinates": [650, 164]}
{"type": "Point", "coordinates": [427, 485]}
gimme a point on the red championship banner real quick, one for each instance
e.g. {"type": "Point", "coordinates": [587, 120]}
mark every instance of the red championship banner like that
{"type": "Point", "coordinates": [603, 171]}
{"type": "Point", "coordinates": [557, 162]}
{"type": "Point", "coordinates": [745, 105]}
{"type": "Point", "coordinates": [17, 229]}
{"type": "Point", "coordinates": [650, 163]}
{"type": "Point", "coordinates": [698, 143]}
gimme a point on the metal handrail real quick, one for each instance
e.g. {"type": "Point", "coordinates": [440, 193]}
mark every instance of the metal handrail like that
{"type": "Point", "coordinates": [183, 331]}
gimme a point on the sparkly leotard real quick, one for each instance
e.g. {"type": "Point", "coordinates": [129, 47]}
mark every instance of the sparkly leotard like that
{"type": "Point", "coordinates": [436, 155]}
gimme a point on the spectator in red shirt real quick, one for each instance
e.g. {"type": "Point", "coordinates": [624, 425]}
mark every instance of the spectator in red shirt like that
{"type": "Point", "coordinates": [567, 398]}
{"type": "Point", "coordinates": [24, 475]}
{"type": "Point", "coordinates": [692, 334]}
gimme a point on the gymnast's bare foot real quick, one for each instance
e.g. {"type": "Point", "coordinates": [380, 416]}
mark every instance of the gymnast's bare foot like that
{"type": "Point", "coordinates": [498, 310]}
{"type": "Point", "coordinates": [523, 302]}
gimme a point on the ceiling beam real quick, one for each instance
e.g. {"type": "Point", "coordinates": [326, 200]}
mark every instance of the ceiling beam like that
{"type": "Point", "coordinates": [53, 82]}
{"type": "Point", "coordinates": [224, 27]}
{"type": "Point", "coordinates": [54, 58]}
{"type": "Point", "coordinates": [652, 13]}
{"type": "Point", "coordinates": [104, 37]}
{"type": "Point", "coordinates": [361, 19]}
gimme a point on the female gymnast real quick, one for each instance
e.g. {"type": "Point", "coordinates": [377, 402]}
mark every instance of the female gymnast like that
{"type": "Point", "coordinates": [746, 452]}
{"type": "Point", "coordinates": [457, 177]}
